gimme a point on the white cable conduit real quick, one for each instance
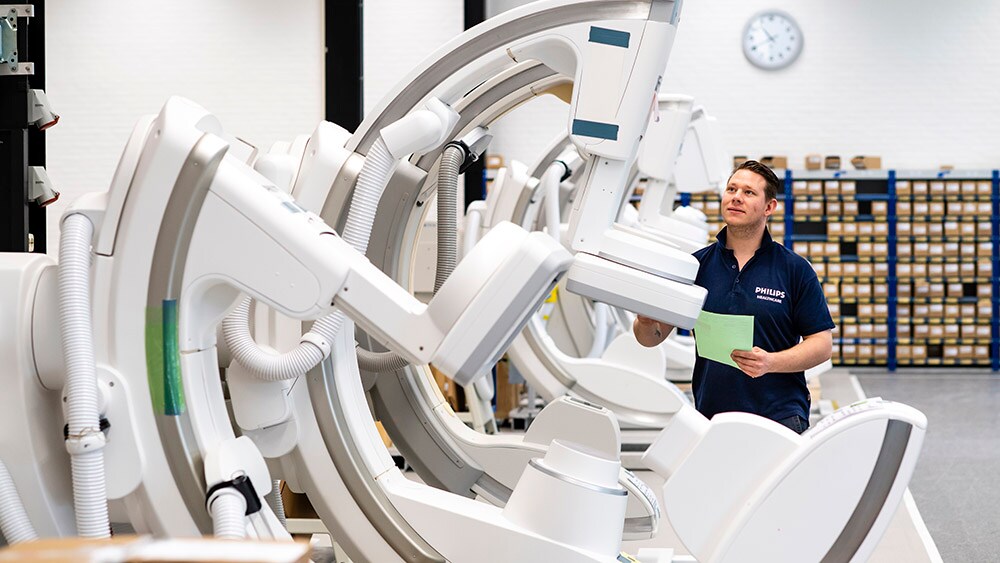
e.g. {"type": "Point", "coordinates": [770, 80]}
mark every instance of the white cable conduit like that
{"type": "Point", "coordinates": [228, 508]}
{"type": "Point", "coordinates": [14, 522]}
{"type": "Point", "coordinates": [86, 441]}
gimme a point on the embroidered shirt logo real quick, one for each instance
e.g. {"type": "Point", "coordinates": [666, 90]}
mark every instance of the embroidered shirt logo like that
{"type": "Point", "coordinates": [768, 294]}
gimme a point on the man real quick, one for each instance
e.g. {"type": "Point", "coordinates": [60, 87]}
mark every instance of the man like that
{"type": "Point", "coordinates": [747, 273]}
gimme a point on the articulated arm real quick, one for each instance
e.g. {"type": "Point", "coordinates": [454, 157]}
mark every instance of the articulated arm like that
{"type": "Point", "coordinates": [261, 242]}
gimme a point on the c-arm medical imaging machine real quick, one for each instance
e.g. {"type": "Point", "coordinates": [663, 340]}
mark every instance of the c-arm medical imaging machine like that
{"type": "Point", "coordinates": [168, 422]}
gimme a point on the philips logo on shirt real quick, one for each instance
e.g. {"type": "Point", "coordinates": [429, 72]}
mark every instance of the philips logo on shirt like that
{"type": "Point", "coordinates": [768, 294]}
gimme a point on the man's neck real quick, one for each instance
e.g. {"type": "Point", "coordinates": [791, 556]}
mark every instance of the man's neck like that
{"type": "Point", "coordinates": [744, 240]}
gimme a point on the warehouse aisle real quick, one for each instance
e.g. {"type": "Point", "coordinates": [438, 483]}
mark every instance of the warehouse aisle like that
{"type": "Point", "coordinates": [957, 482]}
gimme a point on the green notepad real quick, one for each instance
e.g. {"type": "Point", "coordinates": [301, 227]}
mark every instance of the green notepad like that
{"type": "Point", "coordinates": [716, 336]}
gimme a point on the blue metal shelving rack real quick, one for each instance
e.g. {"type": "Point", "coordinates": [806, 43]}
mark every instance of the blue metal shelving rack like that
{"type": "Point", "coordinates": [891, 360]}
{"type": "Point", "coordinates": [994, 275]}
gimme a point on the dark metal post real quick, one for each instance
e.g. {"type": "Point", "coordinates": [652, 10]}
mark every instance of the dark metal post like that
{"type": "Point", "coordinates": [475, 175]}
{"type": "Point", "coordinates": [344, 80]}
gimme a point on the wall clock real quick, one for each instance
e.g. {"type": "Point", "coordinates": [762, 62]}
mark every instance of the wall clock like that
{"type": "Point", "coordinates": [772, 40]}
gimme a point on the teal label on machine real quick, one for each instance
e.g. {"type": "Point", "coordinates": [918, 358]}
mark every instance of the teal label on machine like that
{"type": "Point", "coordinates": [163, 360]}
{"type": "Point", "coordinates": [607, 36]}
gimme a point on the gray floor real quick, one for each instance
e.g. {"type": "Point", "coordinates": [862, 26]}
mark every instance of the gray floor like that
{"type": "Point", "coordinates": [956, 484]}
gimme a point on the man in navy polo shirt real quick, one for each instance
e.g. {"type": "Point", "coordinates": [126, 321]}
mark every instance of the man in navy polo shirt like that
{"type": "Point", "coordinates": [747, 273]}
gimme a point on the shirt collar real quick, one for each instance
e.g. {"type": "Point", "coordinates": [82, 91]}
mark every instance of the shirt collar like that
{"type": "Point", "coordinates": [765, 242]}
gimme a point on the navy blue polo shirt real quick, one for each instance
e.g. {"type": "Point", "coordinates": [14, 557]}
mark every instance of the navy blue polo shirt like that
{"type": "Point", "coordinates": [781, 290]}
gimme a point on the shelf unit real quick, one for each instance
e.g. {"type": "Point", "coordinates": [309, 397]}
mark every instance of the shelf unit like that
{"type": "Point", "coordinates": [909, 260]}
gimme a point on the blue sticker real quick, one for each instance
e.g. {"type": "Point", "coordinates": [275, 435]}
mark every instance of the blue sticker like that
{"type": "Point", "coordinates": [611, 37]}
{"type": "Point", "coordinates": [595, 129]}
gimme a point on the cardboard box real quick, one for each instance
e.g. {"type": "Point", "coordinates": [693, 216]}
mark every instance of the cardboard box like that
{"type": "Point", "coordinates": [935, 270]}
{"type": "Point", "coordinates": [775, 161]}
{"type": "Point", "coordinates": [833, 228]}
{"type": "Point", "coordinates": [936, 208]}
{"type": "Point", "coordinates": [950, 352]}
{"type": "Point", "coordinates": [919, 229]}
{"type": "Point", "coordinates": [831, 187]}
{"type": "Point", "coordinates": [777, 227]}
{"type": "Point", "coordinates": [880, 330]}
{"type": "Point", "coordinates": [904, 249]}
{"type": "Point", "coordinates": [816, 208]}
{"type": "Point", "coordinates": [850, 229]}
{"type": "Point", "coordinates": [921, 310]}
{"type": "Point", "coordinates": [866, 229]}
{"type": "Point", "coordinates": [921, 289]}
{"type": "Point", "coordinates": [919, 270]}
{"type": "Point", "coordinates": [800, 187]}
{"type": "Point", "coordinates": [864, 248]}
{"type": "Point", "coordinates": [936, 331]}
{"type": "Point", "coordinates": [937, 289]}
{"type": "Point", "coordinates": [981, 352]}
{"type": "Point", "coordinates": [968, 250]}
{"type": "Point", "coordinates": [880, 208]}
{"type": "Point", "coordinates": [820, 269]}
{"type": "Point", "coordinates": [952, 310]}
{"type": "Point", "coordinates": [880, 310]}
{"type": "Point", "coordinates": [903, 331]}
{"type": "Point", "coordinates": [880, 269]}
{"type": "Point", "coordinates": [850, 331]}
{"type": "Point", "coordinates": [984, 268]}
{"type": "Point", "coordinates": [984, 249]}
{"type": "Point", "coordinates": [738, 160]}
{"type": "Point", "coordinates": [880, 249]}
{"type": "Point", "coordinates": [935, 229]}
{"type": "Point", "coordinates": [833, 208]}
{"type": "Point", "coordinates": [984, 187]}
{"type": "Point", "coordinates": [984, 290]}
{"type": "Point", "coordinates": [965, 351]}
{"type": "Point", "coordinates": [864, 290]}
{"type": "Point", "coordinates": [867, 162]}
{"type": "Point", "coordinates": [904, 352]}
{"type": "Point", "coordinates": [921, 249]}
{"type": "Point", "coordinates": [967, 269]}
{"type": "Point", "coordinates": [831, 162]}
{"type": "Point", "coordinates": [967, 310]}
{"type": "Point", "coordinates": [866, 310]}
{"type": "Point", "coordinates": [904, 289]}
{"type": "Point", "coordinates": [985, 208]}
{"type": "Point", "coordinates": [968, 331]}
{"type": "Point", "coordinates": [955, 207]}
{"type": "Point", "coordinates": [921, 207]}
{"type": "Point", "coordinates": [951, 249]}
{"type": "Point", "coordinates": [935, 249]}
{"type": "Point", "coordinates": [849, 352]}
{"type": "Point", "coordinates": [831, 249]}
{"type": "Point", "coordinates": [984, 309]}
{"type": "Point", "coordinates": [834, 269]}
{"type": "Point", "coordinates": [850, 269]}
{"type": "Point", "coordinates": [968, 187]}
{"type": "Point", "coordinates": [864, 331]}
{"type": "Point", "coordinates": [953, 187]}
{"type": "Point", "coordinates": [921, 331]}
{"type": "Point", "coordinates": [954, 290]}
{"type": "Point", "coordinates": [848, 290]}
{"type": "Point", "coordinates": [850, 208]}
{"type": "Point", "coordinates": [920, 188]}
{"type": "Point", "coordinates": [145, 549]}
{"type": "Point", "coordinates": [984, 229]}
{"type": "Point", "coordinates": [904, 229]}
{"type": "Point", "coordinates": [814, 161]}
{"type": "Point", "coordinates": [848, 187]}
{"type": "Point", "coordinates": [903, 270]}
{"type": "Point", "coordinates": [865, 352]}
{"type": "Point", "coordinates": [983, 331]}
{"type": "Point", "coordinates": [865, 269]}
{"type": "Point", "coordinates": [943, 270]}
{"type": "Point", "coordinates": [904, 208]}
{"type": "Point", "coordinates": [951, 228]}
{"type": "Point", "coordinates": [919, 351]}
{"type": "Point", "coordinates": [967, 229]}
{"type": "Point", "coordinates": [834, 310]}
{"type": "Point", "coordinates": [880, 290]}
{"type": "Point", "coordinates": [936, 187]}
{"type": "Point", "coordinates": [800, 208]}
{"type": "Point", "coordinates": [903, 187]}
{"type": "Point", "coordinates": [815, 248]}
{"type": "Point", "coordinates": [831, 290]}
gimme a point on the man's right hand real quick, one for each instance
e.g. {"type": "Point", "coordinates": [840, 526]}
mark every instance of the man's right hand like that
{"type": "Point", "coordinates": [650, 332]}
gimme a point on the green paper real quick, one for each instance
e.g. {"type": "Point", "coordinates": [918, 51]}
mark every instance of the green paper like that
{"type": "Point", "coordinates": [716, 336]}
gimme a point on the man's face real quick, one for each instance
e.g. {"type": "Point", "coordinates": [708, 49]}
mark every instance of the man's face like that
{"type": "Point", "coordinates": [744, 202]}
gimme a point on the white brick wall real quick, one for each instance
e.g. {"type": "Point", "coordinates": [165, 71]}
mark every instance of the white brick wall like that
{"type": "Point", "coordinates": [910, 80]}
{"type": "Point", "coordinates": [260, 69]}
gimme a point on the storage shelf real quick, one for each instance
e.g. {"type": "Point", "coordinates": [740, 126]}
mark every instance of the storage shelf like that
{"type": "Point", "coordinates": [881, 185]}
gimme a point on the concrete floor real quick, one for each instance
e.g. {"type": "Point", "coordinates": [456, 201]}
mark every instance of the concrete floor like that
{"type": "Point", "coordinates": [956, 484]}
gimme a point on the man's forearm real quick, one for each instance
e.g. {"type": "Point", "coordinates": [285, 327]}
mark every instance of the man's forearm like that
{"type": "Point", "coordinates": [805, 355]}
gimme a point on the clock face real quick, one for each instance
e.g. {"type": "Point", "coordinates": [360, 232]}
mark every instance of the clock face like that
{"type": "Point", "coordinates": [772, 40]}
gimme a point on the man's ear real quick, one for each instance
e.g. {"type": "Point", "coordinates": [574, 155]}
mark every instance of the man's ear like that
{"type": "Point", "coordinates": [772, 204]}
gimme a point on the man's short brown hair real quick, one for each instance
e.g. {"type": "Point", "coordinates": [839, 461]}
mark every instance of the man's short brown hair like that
{"type": "Point", "coordinates": [770, 178]}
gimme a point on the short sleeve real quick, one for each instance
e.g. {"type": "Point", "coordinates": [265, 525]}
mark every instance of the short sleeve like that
{"type": "Point", "coordinates": [810, 313]}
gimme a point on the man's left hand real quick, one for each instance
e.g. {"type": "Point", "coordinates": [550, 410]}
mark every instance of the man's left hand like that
{"type": "Point", "coordinates": [754, 363]}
